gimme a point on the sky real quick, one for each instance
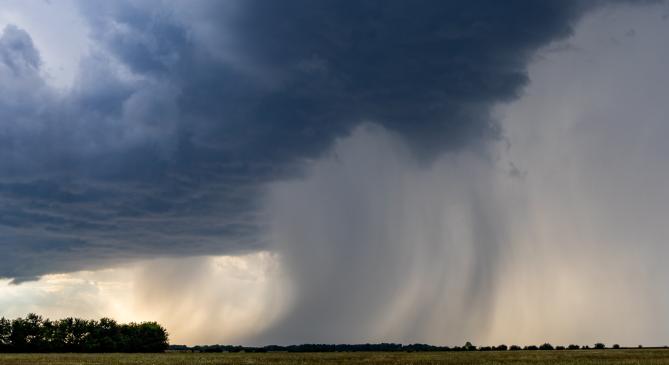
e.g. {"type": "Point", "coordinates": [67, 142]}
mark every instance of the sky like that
{"type": "Point", "coordinates": [250, 172]}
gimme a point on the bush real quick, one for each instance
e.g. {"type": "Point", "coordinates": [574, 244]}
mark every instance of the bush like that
{"type": "Point", "coordinates": [559, 347]}
{"type": "Point", "coordinates": [600, 346]}
{"type": "Point", "coordinates": [515, 348]}
{"type": "Point", "coordinates": [501, 348]}
{"type": "Point", "coordinates": [546, 346]}
{"type": "Point", "coordinates": [530, 347]}
{"type": "Point", "coordinates": [616, 346]}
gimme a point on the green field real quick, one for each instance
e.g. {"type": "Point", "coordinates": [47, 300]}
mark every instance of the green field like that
{"type": "Point", "coordinates": [645, 356]}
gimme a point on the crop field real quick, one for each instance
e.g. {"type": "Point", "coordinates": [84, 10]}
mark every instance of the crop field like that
{"type": "Point", "coordinates": [636, 356]}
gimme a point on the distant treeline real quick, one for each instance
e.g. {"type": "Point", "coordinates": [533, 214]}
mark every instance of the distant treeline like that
{"type": "Point", "coordinates": [381, 347]}
{"type": "Point", "coordinates": [36, 334]}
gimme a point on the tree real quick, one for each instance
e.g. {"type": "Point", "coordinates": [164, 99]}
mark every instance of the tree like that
{"type": "Point", "coordinates": [154, 337]}
{"type": "Point", "coordinates": [47, 342]}
{"type": "Point", "coordinates": [600, 346]}
{"type": "Point", "coordinates": [469, 347]}
{"type": "Point", "coordinates": [546, 346]}
{"type": "Point", "coordinates": [105, 335]}
{"type": "Point", "coordinates": [5, 334]}
{"type": "Point", "coordinates": [616, 346]}
{"type": "Point", "coordinates": [515, 348]}
{"type": "Point", "coordinates": [26, 334]}
{"type": "Point", "coordinates": [573, 347]}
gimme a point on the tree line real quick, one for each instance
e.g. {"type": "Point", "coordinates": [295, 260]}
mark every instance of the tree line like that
{"type": "Point", "coordinates": [36, 334]}
{"type": "Point", "coordinates": [382, 347]}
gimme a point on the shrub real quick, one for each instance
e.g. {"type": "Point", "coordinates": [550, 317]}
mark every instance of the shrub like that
{"type": "Point", "coordinates": [469, 347]}
{"type": "Point", "coordinates": [600, 346]}
{"type": "Point", "coordinates": [546, 346]}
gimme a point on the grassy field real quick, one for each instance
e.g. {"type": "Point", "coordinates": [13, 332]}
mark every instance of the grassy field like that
{"type": "Point", "coordinates": [646, 356]}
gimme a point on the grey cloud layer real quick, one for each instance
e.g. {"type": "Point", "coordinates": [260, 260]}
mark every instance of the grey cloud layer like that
{"type": "Point", "coordinates": [182, 112]}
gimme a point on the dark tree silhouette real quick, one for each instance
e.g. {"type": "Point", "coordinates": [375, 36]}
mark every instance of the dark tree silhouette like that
{"type": "Point", "coordinates": [379, 347]}
{"type": "Point", "coordinates": [546, 346]}
{"type": "Point", "coordinates": [35, 334]}
{"type": "Point", "coordinates": [5, 334]}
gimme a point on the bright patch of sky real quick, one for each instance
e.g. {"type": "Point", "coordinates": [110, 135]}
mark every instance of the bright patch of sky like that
{"type": "Point", "coordinates": [57, 30]}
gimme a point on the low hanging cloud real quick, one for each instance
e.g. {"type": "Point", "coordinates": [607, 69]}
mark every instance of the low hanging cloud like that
{"type": "Point", "coordinates": [180, 113]}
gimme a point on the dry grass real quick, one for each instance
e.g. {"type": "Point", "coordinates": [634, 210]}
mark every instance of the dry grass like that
{"type": "Point", "coordinates": [645, 356]}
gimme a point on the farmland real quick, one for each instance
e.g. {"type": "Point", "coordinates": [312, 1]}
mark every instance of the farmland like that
{"type": "Point", "coordinates": [626, 356]}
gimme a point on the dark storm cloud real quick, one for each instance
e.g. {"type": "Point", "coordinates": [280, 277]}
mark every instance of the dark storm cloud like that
{"type": "Point", "coordinates": [17, 51]}
{"type": "Point", "coordinates": [182, 111]}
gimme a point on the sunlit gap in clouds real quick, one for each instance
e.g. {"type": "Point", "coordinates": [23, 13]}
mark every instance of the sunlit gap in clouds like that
{"type": "Point", "coordinates": [49, 24]}
{"type": "Point", "coordinates": [199, 299]}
